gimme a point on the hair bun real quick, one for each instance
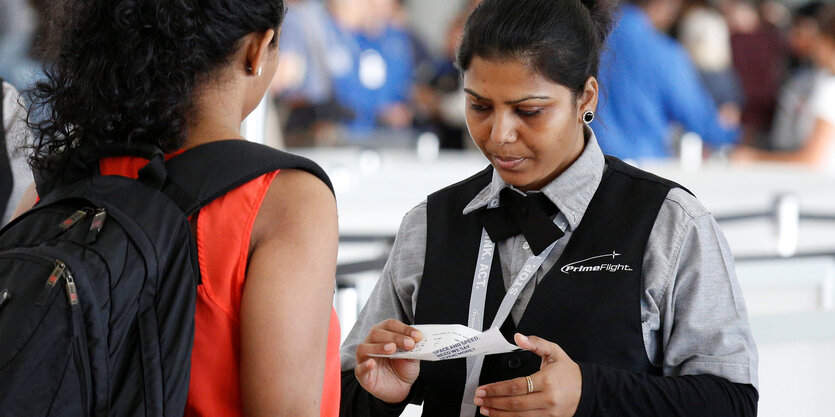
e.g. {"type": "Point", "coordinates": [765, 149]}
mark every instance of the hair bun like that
{"type": "Point", "coordinates": [601, 12]}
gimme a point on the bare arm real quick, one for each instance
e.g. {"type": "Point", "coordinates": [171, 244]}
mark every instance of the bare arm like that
{"type": "Point", "coordinates": [814, 151]}
{"type": "Point", "coordinates": [287, 298]}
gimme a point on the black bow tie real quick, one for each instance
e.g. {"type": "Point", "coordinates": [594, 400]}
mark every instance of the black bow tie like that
{"type": "Point", "coordinates": [529, 215]}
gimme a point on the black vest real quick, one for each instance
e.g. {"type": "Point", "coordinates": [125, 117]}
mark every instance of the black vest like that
{"type": "Point", "coordinates": [589, 303]}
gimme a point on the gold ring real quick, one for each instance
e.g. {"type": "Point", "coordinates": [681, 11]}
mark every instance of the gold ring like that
{"type": "Point", "coordinates": [530, 384]}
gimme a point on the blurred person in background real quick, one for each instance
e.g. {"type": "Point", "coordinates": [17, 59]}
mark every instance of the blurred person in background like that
{"type": "Point", "coordinates": [704, 32]}
{"type": "Point", "coordinates": [377, 88]}
{"type": "Point", "coordinates": [790, 129]}
{"type": "Point", "coordinates": [15, 174]}
{"type": "Point", "coordinates": [313, 50]}
{"type": "Point", "coordinates": [439, 91]}
{"type": "Point", "coordinates": [815, 117]}
{"type": "Point", "coordinates": [20, 29]}
{"type": "Point", "coordinates": [759, 59]}
{"type": "Point", "coordinates": [649, 84]}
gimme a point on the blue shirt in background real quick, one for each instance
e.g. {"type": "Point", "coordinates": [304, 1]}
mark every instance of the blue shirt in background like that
{"type": "Point", "coordinates": [381, 74]}
{"type": "Point", "coordinates": [647, 83]}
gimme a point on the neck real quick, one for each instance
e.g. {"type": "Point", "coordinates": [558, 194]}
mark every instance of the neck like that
{"type": "Point", "coordinates": [216, 116]}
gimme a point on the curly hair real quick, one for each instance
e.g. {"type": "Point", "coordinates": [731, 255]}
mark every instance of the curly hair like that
{"type": "Point", "coordinates": [126, 70]}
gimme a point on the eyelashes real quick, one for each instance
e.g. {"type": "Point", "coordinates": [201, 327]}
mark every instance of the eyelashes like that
{"type": "Point", "coordinates": [521, 112]}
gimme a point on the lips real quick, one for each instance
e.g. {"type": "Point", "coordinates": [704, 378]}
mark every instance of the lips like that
{"type": "Point", "coordinates": [507, 162]}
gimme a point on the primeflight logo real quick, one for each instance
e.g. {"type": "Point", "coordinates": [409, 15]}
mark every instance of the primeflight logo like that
{"type": "Point", "coordinates": [602, 266]}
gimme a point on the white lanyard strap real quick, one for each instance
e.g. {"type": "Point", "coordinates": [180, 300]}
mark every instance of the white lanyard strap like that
{"type": "Point", "coordinates": [478, 298]}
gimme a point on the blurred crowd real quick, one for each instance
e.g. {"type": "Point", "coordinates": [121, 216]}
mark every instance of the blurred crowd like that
{"type": "Point", "coordinates": [752, 78]}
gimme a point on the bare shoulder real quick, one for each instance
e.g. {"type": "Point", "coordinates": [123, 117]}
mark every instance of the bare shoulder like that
{"type": "Point", "coordinates": [297, 201]}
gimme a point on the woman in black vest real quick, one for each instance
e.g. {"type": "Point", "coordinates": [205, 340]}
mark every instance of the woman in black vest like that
{"type": "Point", "coordinates": [617, 284]}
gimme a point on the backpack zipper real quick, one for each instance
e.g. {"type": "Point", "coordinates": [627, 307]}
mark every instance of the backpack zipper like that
{"type": "Point", "coordinates": [72, 220]}
{"type": "Point", "coordinates": [5, 296]}
{"type": "Point", "coordinates": [56, 274]}
{"type": "Point", "coordinates": [96, 226]}
{"type": "Point", "coordinates": [72, 294]}
{"type": "Point", "coordinates": [68, 223]}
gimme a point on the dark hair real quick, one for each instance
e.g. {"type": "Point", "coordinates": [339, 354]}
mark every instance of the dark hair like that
{"type": "Point", "coordinates": [561, 39]}
{"type": "Point", "coordinates": [826, 22]}
{"type": "Point", "coordinates": [808, 10]}
{"type": "Point", "coordinates": [126, 70]}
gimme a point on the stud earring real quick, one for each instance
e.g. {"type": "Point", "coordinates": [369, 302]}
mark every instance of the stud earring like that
{"type": "Point", "coordinates": [588, 116]}
{"type": "Point", "coordinates": [257, 72]}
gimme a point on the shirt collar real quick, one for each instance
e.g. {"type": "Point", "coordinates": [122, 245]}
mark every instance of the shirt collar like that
{"type": "Point", "coordinates": [571, 191]}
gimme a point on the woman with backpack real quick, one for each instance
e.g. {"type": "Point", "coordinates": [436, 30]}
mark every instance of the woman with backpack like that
{"type": "Point", "coordinates": [178, 75]}
{"type": "Point", "coordinates": [616, 284]}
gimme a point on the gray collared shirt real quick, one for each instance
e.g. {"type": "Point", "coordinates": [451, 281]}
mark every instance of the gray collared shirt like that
{"type": "Point", "coordinates": [693, 315]}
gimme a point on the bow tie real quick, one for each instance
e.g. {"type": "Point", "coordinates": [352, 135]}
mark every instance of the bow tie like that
{"type": "Point", "coordinates": [529, 215]}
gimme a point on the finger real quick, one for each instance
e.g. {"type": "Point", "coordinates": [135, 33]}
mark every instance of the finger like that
{"type": "Point", "coordinates": [535, 401]}
{"type": "Point", "coordinates": [363, 370]}
{"type": "Point", "coordinates": [381, 335]}
{"type": "Point", "coordinates": [502, 413]}
{"type": "Point", "coordinates": [548, 351]}
{"type": "Point", "coordinates": [399, 327]}
{"type": "Point", "coordinates": [366, 349]}
{"type": "Point", "coordinates": [511, 387]}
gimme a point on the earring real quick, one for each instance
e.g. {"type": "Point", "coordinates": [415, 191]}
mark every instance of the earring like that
{"type": "Point", "coordinates": [588, 116]}
{"type": "Point", "coordinates": [257, 72]}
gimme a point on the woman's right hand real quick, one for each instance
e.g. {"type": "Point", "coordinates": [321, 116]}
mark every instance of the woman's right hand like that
{"type": "Point", "coordinates": [389, 380]}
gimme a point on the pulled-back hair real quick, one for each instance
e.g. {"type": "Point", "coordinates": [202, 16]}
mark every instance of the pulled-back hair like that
{"type": "Point", "coordinates": [826, 21]}
{"type": "Point", "coordinates": [560, 39]}
{"type": "Point", "coordinates": [126, 70]}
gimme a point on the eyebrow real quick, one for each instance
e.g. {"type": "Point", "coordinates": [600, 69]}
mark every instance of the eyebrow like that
{"type": "Point", "coordinates": [473, 93]}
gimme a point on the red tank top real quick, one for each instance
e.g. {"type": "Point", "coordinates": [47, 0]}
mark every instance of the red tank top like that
{"type": "Point", "coordinates": [223, 253]}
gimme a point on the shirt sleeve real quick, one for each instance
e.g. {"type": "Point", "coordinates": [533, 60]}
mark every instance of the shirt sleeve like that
{"type": "Point", "coordinates": [395, 294]}
{"type": "Point", "coordinates": [704, 321]}
{"type": "Point", "coordinates": [687, 100]}
{"type": "Point", "coordinates": [616, 392]}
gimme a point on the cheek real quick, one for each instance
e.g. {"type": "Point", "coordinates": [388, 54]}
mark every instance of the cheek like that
{"type": "Point", "coordinates": [477, 126]}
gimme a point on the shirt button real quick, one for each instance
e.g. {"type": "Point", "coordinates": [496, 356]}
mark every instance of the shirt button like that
{"type": "Point", "coordinates": [526, 246]}
{"type": "Point", "coordinates": [514, 363]}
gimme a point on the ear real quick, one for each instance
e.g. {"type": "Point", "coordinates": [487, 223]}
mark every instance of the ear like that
{"type": "Point", "coordinates": [588, 99]}
{"type": "Point", "coordinates": [257, 49]}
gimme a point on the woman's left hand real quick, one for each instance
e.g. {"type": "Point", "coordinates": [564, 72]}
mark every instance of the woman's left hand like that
{"type": "Point", "coordinates": [556, 387]}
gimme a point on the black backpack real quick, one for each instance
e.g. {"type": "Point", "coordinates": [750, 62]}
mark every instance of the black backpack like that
{"type": "Point", "coordinates": [98, 283]}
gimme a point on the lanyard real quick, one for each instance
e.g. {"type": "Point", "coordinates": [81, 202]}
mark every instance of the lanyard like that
{"type": "Point", "coordinates": [478, 297]}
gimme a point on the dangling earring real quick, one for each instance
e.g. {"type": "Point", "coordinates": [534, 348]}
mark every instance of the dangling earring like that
{"type": "Point", "coordinates": [588, 116]}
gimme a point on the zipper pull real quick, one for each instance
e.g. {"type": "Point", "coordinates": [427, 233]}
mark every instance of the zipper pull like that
{"type": "Point", "coordinates": [56, 274]}
{"type": "Point", "coordinates": [72, 220]}
{"type": "Point", "coordinates": [96, 226]}
{"type": "Point", "coordinates": [72, 294]}
{"type": "Point", "coordinates": [5, 296]}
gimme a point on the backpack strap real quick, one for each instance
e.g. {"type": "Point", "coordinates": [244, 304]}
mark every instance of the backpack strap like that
{"type": "Point", "coordinates": [200, 175]}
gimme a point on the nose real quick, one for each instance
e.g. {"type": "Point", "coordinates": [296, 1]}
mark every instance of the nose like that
{"type": "Point", "coordinates": [504, 129]}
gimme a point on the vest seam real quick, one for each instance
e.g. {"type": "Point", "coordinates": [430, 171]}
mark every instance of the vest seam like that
{"type": "Point", "coordinates": [689, 214]}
